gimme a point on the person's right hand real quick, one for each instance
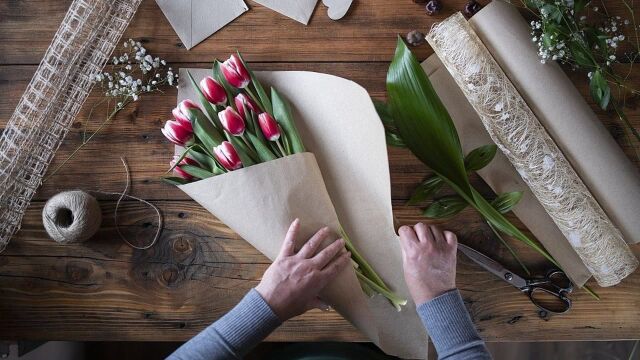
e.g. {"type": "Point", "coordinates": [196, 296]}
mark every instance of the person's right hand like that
{"type": "Point", "coordinates": [292, 283]}
{"type": "Point", "coordinates": [429, 261]}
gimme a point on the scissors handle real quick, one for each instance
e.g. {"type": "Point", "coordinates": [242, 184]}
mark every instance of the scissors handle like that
{"type": "Point", "coordinates": [550, 293]}
{"type": "Point", "coordinates": [549, 300]}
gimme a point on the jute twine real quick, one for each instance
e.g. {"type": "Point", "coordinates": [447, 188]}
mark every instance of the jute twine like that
{"type": "Point", "coordinates": [75, 216]}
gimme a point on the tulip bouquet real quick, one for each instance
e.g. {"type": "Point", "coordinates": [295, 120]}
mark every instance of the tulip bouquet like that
{"type": "Point", "coordinates": [237, 125]}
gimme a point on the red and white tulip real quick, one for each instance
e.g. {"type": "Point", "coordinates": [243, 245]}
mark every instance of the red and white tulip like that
{"type": "Point", "coordinates": [232, 122]}
{"type": "Point", "coordinates": [180, 112]}
{"type": "Point", "coordinates": [227, 156]}
{"type": "Point", "coordinates": [213, 91]}
{"type": "Point", "coordinates": [185, 161]}
{"type": "Point", "coordinates": [242, 99]}
{"type": "Point", "coordinates": [234, 71]}
{"type": "Point", "coordinates": [269, 126]}
{"type": "Point", "coordinates": [178, 132]}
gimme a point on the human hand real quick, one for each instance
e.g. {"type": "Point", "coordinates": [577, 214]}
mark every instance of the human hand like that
{"type": "Point", "coordinates": [292, 283]}
{"type": "Point", "coordinates": [429, 261]}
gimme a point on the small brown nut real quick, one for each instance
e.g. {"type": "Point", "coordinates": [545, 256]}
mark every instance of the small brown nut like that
{"type": "Point", "coordinates": [433, 7]}
{"type": "Point", "coordinates": [471, 8]}
{"type": "Point", "coordinates": [415, 38]}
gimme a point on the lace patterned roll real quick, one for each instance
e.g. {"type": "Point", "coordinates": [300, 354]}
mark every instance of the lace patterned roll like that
{"type": "Point", "coordinates": [518, 133]}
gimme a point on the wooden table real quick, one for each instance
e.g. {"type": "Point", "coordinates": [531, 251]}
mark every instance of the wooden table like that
{"type": "Point", "coordinates": [104, 290]}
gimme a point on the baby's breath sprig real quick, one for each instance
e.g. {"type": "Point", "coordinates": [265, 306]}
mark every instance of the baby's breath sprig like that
{"type": "Point", "coordinates": [584, 36]}
{"type": "Point", "coordinates": [124, 81]}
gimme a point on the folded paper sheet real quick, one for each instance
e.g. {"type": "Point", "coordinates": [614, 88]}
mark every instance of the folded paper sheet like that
{"type": "Point", "coordinates": [352, 173]}
{"type": "Point", "coordinates": [528, 146]}
{"type": "Point", "coordinates": [299, 10]}
{"type": "Point", "coordinates": [196, 20]}
{"type": "Point", "coordinates": [612, 179]}
{"type": "Point", "coordinates": [501, 175]}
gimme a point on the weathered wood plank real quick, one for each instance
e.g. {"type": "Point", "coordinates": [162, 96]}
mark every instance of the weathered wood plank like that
{"type": "Point", "coordinates": [367, 33]}
{"type": "Point", "coordinates": [199, 269]}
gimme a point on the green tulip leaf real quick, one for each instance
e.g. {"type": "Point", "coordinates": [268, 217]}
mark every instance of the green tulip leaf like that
{"type": "Point", "coordinates": [262, 150]}
{"type": "Point", "coordinates": [262, 95]}
{"type": "Point", "coordinates": [204, 129]}
{"type": "Point", "coordinates": [174, 180]}
{"type": "Point", "coordinates": [197, 172]}
{"type": "Point", "coordinates": [282, 113]}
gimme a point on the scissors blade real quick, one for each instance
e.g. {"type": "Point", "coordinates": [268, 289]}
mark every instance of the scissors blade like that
{"type": "Point", "coordinates": [493, 266]}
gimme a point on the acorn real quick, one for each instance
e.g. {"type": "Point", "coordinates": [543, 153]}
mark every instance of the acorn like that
{"type": "Point", "coordinates": [433, 7]}
{"type": "Point", "coordinates": [415, 38]}
{"type": "Point", "coordinates": [472, 8]}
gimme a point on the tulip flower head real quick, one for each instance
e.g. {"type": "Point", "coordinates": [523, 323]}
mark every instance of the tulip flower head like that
{"type": "Point", "coordinates": [242, 99]}
{"type": "Point", "coordinates": [180, 111]}
{"type": "Point", "coordinates": [269, 126]}
{"type": "Point", "coordinates": [227, 156]}
{"type": "Point", "coordinates": [178, 132]}
{"type": "Point", "coordinates": [213, 91]}
{"type": "Point", "coordinates": [232, 122]}
{"type": "Point", "coordinates": [185, 161]}
{"type": "Point", "coordinates": [234, 71]}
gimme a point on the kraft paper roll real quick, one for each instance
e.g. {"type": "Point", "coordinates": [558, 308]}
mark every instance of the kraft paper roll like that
{"type": "Point", "coordinates": [529, 147]}
{"type": "Point", "coordinates": [609, 175]}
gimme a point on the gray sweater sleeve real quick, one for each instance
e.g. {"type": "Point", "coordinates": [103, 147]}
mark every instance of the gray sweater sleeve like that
{"type": "Point", "coordinates": [233, 335]}
{"type": "Point", "coordinates": [451, 329]}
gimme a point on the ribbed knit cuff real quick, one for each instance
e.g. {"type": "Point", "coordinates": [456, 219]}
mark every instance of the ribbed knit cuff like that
{"type": "Point", "coordinates": [449, 324]}
{"type": "Point", "coordinates": [248, 323]}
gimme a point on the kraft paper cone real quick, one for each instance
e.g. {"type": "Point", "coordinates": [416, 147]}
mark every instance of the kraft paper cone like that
{"type": "Point", "coordinates": [348, 180]}
{"type": "Point", "coordinates": [608, 174]}
{"type": "Point", "coordinates": [500, 175]}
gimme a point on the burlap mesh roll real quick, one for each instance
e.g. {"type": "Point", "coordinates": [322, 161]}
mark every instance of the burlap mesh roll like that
{"type": "Point", "coordinates": [518, 133]}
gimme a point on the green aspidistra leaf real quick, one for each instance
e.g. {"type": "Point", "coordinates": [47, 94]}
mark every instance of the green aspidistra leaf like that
{"type": "Point", "coordinates": [282, 113]}
{"type": "Point", "coordinates": [422, 120]}
{"type": "Point", "coordinates": [390, 131]}
{"type": "Point", "coordinates": [480, 157]}
{"type": "Point", "coordinates": [425, 190]}
{"type": "Point", "coordinates": [507, 201]}
{"type": "Point", "coordinates": [445, 207]}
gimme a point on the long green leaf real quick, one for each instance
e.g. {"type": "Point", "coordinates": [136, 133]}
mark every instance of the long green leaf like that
{"type": "Point", "coordinates": [262, 95]}
{"type": "Point", "coordinates": [422, 120]}
{"type": "Point", "coordinates": [507, 201]}
{"type": "Point", "coordinates": [174, 180]}
{"type": "Point", "coordinates": [204, 130]}
{"type": "Point", "coordinates": [263, 151]}
{"type": "Point", "coordinates": [282, 113]}
{"type": "Point", "coordinates": [209, 109]}
{"type": "Point", "coordinates": [480, 157]}
{"type": "Point", "coordinates": [244, 153]}
{"type": "Point", "coordinates": [445, 207]}
{"type": "Point", "coordinates": [195, 171]}
{"type": "Point", "coordinates": [426, 189]}
{"type": "Point", "coordinates": [390, 131]}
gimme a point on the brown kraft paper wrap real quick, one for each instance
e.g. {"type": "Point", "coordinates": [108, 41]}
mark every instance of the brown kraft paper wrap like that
{"type": "Point", "coordinates": [346, 179]}
{"type": "Point", "coordinates": [601, 164]}
{"type": "Point", "coordinates": [500, 175]}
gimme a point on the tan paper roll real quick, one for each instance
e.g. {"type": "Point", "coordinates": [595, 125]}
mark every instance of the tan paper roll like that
{"type": "Point", "coordinates": [500, 175]}
{"type": "Point", "coordinates": [609, 175]}
{"type": "Point", "coordinates": [529, 147]}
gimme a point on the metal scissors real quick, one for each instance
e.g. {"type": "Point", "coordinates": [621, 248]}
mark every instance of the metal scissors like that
{"type": "Point", "coordinates": [549, 293]}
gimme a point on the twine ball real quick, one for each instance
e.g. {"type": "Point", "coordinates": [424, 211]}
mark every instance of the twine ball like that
{"type": "Point", "coordinates": [71, 217]}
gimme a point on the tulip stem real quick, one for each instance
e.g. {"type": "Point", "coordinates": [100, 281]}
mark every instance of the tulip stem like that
{"type": "Point", "coordinates": [284, 153]}
{"type": "Point", "coordinates": [253, 97]}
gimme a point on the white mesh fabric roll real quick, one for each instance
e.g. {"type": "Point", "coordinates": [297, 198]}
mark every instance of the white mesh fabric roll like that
{"type": "Point", "coordinates": [518, 133]}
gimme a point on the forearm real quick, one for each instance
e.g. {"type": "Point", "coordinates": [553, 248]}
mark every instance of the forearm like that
{"type": "Point", "coordinates": [451, 329]}
{"type": "Point", "coordinates": [233, 335]}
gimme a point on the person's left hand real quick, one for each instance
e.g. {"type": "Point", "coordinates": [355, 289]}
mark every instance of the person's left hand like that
{"type": "Point", "coordinates": [292, 283]}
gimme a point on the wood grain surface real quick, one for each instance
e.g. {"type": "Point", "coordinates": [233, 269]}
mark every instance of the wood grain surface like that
{"type": "Point", "coordinates": [104, 290]}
